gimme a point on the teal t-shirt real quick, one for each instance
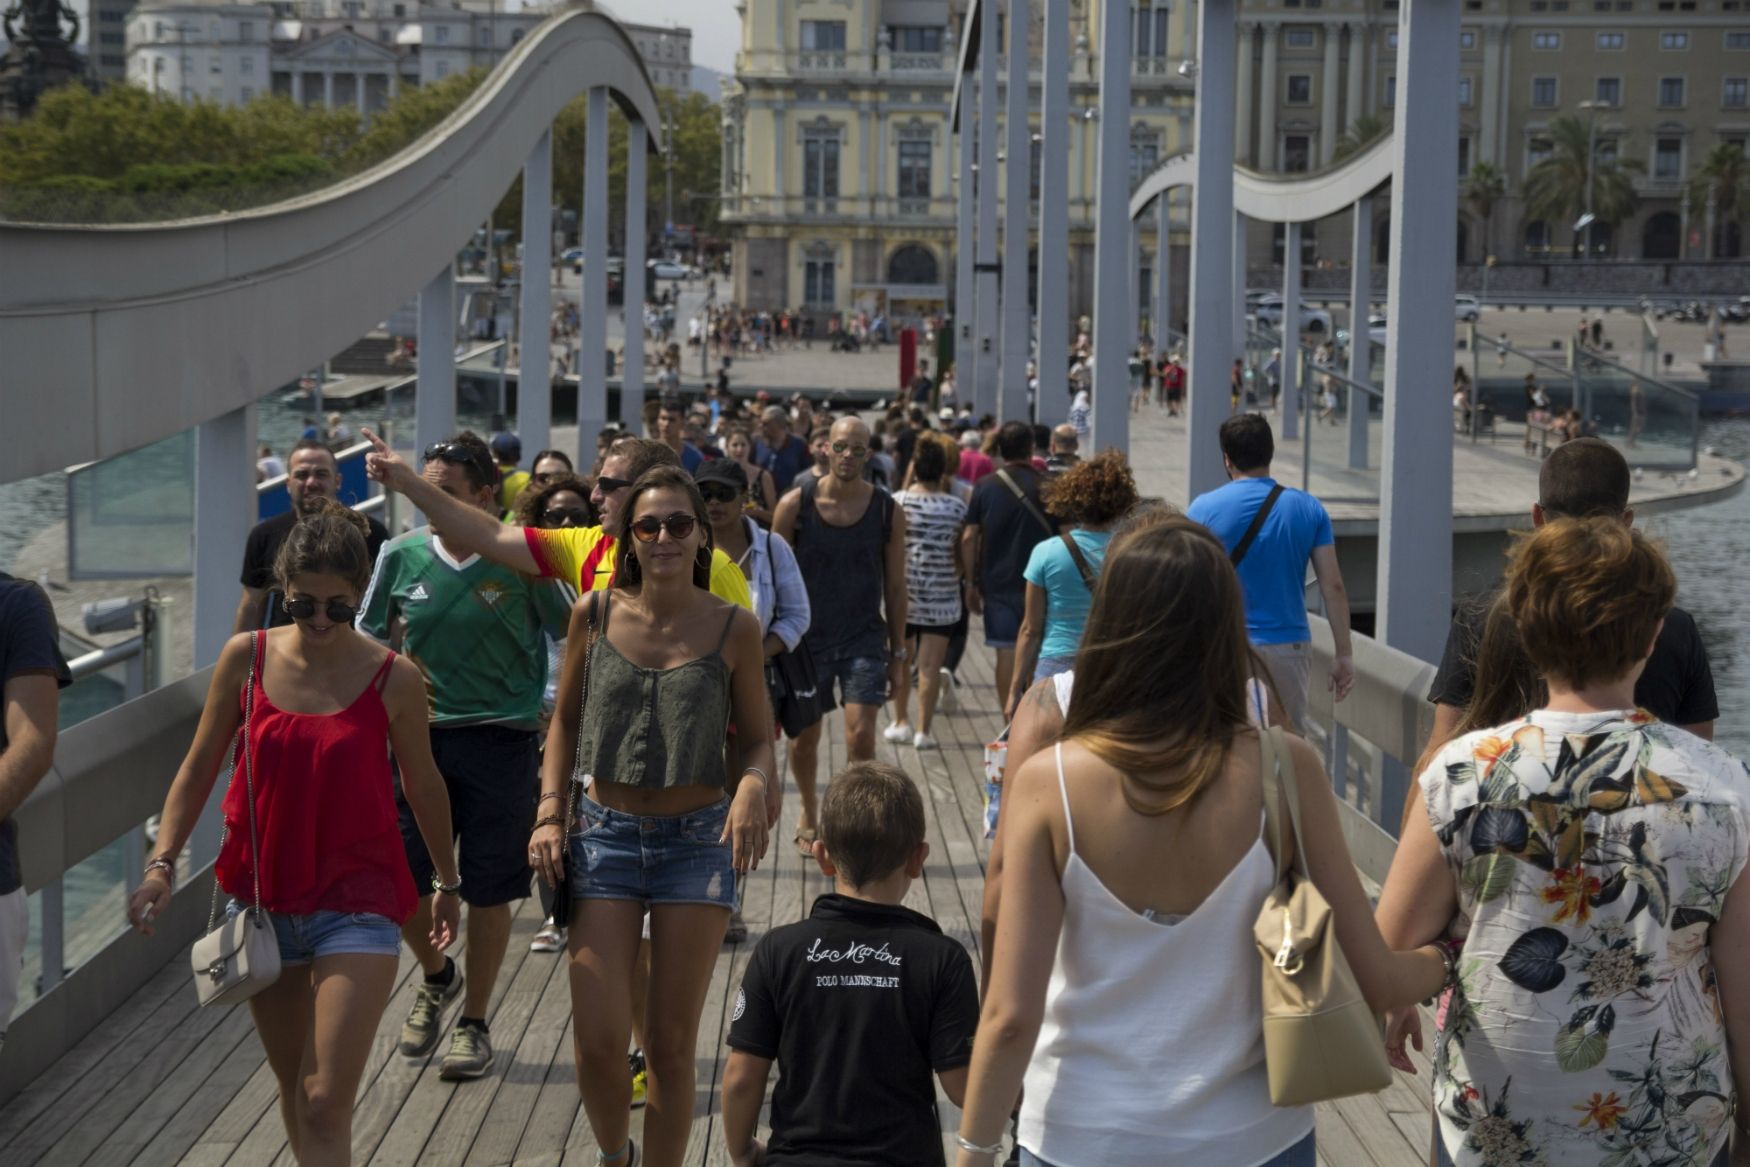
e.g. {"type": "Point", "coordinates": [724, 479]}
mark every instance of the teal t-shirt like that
{"type": "Point", "coordinates": [1067, 599]}
{"type": "Point", "coordinates": [472, 626]}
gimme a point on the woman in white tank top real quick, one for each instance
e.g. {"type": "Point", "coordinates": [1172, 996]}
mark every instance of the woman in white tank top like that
{"type": "Point", "coordinates": [1125, 986]}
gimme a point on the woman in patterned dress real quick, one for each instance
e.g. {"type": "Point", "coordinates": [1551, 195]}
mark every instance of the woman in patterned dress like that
{"type": "Point", "coordinates": [933, 517]}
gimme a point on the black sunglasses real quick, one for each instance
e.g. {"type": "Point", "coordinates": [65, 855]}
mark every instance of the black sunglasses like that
{"type": "Point", "coordinates": [649, 528]}
{"type": "Point", "coordinates": [717, 492]}
{"type": "Point", "coordinates": [456, 454]}
{"type": "Point", "coordinates": [609, 485]}
{"type": "Point", "coordinates": [565, 517]}
{"type": "Point", "coordinates": [303, 608]}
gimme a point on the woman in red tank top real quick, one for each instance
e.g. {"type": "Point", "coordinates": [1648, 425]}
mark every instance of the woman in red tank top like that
{"type": "Point", "coordinates": [325, 704]}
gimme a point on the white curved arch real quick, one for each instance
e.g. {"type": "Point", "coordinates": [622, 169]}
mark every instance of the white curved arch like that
{"type": "Point", "coordinates": [1280, 198]}
{"type": "Point", "coordinates": [115, 336]}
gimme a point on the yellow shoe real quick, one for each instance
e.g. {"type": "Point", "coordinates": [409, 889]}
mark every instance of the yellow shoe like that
{"type": "Point", "coordinates": [639, 1078]}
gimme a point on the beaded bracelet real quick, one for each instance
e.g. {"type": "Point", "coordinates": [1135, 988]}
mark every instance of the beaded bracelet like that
{"type": "Point", "coordinates": [551, 820]}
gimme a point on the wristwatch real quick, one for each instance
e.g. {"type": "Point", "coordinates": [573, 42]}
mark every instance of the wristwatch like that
{"type": "Point", "coordinates": [448, 889]}
{"type": "Point", "coordinates": [898, 653]}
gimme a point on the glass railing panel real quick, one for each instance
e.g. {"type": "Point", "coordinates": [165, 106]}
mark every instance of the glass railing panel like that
{"type": "Point", "coordinates": [132, 516]}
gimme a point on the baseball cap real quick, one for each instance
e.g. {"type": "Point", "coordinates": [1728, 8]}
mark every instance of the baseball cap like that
{"type": "Point", "coordinates": [725, 470]}
{"type": "Point", "coordinates": [507, 447]}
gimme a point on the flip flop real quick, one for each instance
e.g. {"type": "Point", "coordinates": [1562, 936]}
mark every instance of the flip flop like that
{"type": "Point", "coordinates": [805, 842]}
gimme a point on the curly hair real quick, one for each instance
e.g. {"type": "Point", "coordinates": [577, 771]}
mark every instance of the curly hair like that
{"type": "Point", "coordinates": [526, 510]}
{"type": "Point", "coordinates": [1093, 493]}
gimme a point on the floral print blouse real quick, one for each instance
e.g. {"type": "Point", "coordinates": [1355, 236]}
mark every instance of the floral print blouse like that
{"type": "Point", "coordinates": [1592, 852]}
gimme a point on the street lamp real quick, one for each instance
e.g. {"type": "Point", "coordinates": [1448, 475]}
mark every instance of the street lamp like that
{"type": "Point", "coordinates": [1585, 221]}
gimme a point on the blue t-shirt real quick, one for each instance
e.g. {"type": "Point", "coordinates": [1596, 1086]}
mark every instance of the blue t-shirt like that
{"type": "Point", "coordinates": [785, 462]}
{"type": "Point", "coordinates": [1067, 599]}
{"type": "Point", "coordinates": [690, 457]}
{"type": "Point", "coordinates": [1273, 573]}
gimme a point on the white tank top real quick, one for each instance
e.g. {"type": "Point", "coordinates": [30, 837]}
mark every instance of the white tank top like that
{"type": "Point", "coordinates": [1151, 1053]}
{"type": "Point", "coordinates": [1257, 701]}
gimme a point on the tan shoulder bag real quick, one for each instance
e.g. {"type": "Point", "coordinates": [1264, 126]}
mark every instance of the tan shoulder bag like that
{"type": "Point", "coordinates": [1321, 1041]}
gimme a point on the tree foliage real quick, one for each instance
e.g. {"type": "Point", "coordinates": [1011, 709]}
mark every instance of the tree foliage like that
{"type": "Point", "coordinates": [1556, 188]}
{"type": "Point", "coordinates": [698, 160]}
{"type": "Point", "coordinates": [1719, 191]}
{"type": "Point", "coordinates": [1360, 134]}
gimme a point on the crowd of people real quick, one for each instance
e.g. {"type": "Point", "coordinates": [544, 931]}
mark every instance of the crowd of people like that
{"type": "Point", "coordinates": [572, 682]}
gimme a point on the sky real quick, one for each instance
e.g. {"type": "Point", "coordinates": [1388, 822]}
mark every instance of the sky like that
{"type": "Point", "coordinates": [716, 27]}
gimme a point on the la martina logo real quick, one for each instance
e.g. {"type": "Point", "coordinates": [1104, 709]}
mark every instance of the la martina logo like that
{"type": "Point", "coordinates": [851, 954]}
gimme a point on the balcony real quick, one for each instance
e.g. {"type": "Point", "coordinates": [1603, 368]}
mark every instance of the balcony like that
{"type": "Point", "coordinates": [822, 60]}
{"type": "Point", "coordinates": [933, 212]}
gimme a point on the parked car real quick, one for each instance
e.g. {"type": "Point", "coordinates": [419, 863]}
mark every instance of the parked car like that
{"type": "Point", "coordinates": [666, 269]}
{"type": "Point", "coordinates": [1468, 307]}
{"type": "Point", "coordinates": [572, 256]}
{"type": "Point", "coordinates": [1268, 309]}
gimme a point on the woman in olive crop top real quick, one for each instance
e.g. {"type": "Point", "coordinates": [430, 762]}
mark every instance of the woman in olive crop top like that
{"type": "Point", "coordinates": [670, 668]}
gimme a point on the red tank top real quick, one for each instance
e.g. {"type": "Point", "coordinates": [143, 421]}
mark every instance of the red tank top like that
{"type": "Point", "coordinates": [325, 807]}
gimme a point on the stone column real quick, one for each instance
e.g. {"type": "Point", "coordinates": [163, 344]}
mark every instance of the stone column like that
{"type": "Point", "coordinates": [1212, 244]}
{"type": "Point", "coordinates": [1017, 225]}
{"type": "Point", "coordinates": [632, 283]}
{"type": "Point", "coordinates": [592, 338]}
{"type": "Point", "coordinates": [1114, 324]}
{"type": "Point", "coordinates": [1357, 80]}
{"type": "Point", "coordinates": [1055, 131]}
{"type": "Point", "coordinates": [1328, 94]}
{"type": "Point", "coordinates": [328, 90]}
{"type": "Point", "coordinates": [358, 93]}
{"type": "Point", "coordinates": [1243, 138]}
{"type": "Point", "coordinates": [534, 408]}
{"type": "Point", "coordinates": [1487, 145]}
{"type": "Point", "coordinates": [394, 82]}
{"type": "Point", "coordinates": [434, 391]}
{"type": "Point", "coordinates": [1238, 300]}
{"type": "Point", "coordinates": [985, 273]}
{"type": "Point", "coordinates": [1267, 102]}
{"type": "Point", "coordinates": [297, 87]}
{"type": "Point", "coordinates": [1163, 303]}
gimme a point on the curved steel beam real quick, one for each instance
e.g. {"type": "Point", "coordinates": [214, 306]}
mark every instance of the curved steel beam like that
{"type": "Point", "coordinates": [115, 336]}
{"type": "Point", "coordinates": [1280, 198]}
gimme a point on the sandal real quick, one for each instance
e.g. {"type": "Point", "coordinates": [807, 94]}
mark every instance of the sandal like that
{"type": "Point", "coordinates": [805, 842]}
{"type": "Point", "coordinates": [551, 938]}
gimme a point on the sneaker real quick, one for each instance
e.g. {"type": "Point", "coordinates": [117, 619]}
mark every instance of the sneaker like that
{"type": "Point", "coordinates": [470, 1054]}
{"type": "Point", "coordinates": [924, 741]}
{"type": "Point", "coordinates": [736, 933]}
{"type": "Point", "coordinates": [947, 699]}
{"type": "Point", "coordinates": [898, 732]}
{"type": "Point", "coordinates": [551, 938]}
{"type": "Point", "coordinates": [420, 1033]}
{"type": "Point", "coordinates": [640, 1080]}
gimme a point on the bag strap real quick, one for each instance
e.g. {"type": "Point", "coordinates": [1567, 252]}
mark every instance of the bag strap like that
{"type": "Point", "coordinates": [256, 643]}
{"type": "Point", "coordinates": [1075, 553]}
{"type": "Point", "coordinates": [1271, 773]}
{"type": "Point", "coordinates": [1245, 543]}
{"type": "Point", "coordinates": [1021, 497]}
{"type": "Point", "coordinates": [589, 638]}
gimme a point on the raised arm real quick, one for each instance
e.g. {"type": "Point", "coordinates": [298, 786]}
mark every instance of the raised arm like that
{"type": "Point", "coordinates": [466, 528]}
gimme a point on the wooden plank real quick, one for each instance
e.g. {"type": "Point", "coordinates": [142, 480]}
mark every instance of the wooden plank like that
{"type": "Point", "coordinates": [544, 1045]}
{"type": "Point", "coordinates": [183, 1132]}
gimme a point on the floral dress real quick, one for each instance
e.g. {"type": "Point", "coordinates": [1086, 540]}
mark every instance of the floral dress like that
{"type": "Point", "coordinates": [1592, 852]}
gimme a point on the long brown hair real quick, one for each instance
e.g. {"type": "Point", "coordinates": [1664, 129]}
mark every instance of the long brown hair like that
{"type": "Point", "coordinates": [1507, 686]}
{"type": "Point", "coordinates": [1161, 676]}
{"type": "Point", "coordinates": [627, 573]}
{"type": "Point", "coordinates": [331, 540]}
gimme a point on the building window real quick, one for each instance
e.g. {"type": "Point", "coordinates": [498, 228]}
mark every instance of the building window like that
{"type": "Point", "coordinates": [1537, 237]}
{"type": "Point", "coordinates": [914, 169]}
{"type": "Point", "coordinates": [916, 38]}
{"type": "Point", "coordinates": [1608, 91]}
{"type": "Point", "coordinates": [1670, 92]}
{"type": "Point", "coordinates": [820, 166]}
{"type": "Point", "coordinates": [817, 288]}
{"type": "Point", "coordinates": [1144, 154]}
{"type": "Point", "coordinates": [442, 32]}
{"type": "Point", "coordinates": [1738, 40]}
{"type": "Point", "coordinates": [1390, 97]}
{"type": "Point", "coordinates": [1300, 38]}
{"type": "Point", "coordinates": [1465, 88]}
{"type": "Point", "coordinates": [1150, 30]}
{"type": "Point", "coordinates": [245, 30]}
{"type": "Point", "coordinates": [443, 69]}
{"type": "Point", "coordinates": [1300, 89]}
{"type": "Point", "coordinates": [1296, 153]}
{"type": "Point", "coordinates": [1668, 158]}
{"type": "Point", "coordinates": [1467, 39]}
{"type": "Point", "coordinates": [1537, 150]}
{"type": "Point", "coordinates": [1391, 39]}
{"type": "Point", "coordinates": [1674, 40]}
{"type": "Point", "coordinates": [1737, 93]}
{"type": "Point", "coordinates": [483, 35]}
{"type": "Point", "coordinates": [1546, 40]}
{"type": "Point", "coordinates": [246, 65]}
{"type": "Point", "coordinates": [1463, 157]}
{"type": "Point", "coordinates": [1610, 42]}
{"type": "Point", "coordinates": [1543, 92]}
{"type": "Point", "coordinates": [823, 35]}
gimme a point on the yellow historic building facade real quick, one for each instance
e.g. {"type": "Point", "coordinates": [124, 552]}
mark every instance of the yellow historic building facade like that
{"type": "Point", "coordinates": [840, 166]}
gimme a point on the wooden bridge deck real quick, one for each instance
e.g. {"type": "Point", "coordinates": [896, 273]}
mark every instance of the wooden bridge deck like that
{"type": "Point", "coordinates": [163, 1082]}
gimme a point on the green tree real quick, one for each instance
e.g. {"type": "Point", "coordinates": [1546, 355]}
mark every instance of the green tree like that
{"type": "Point", "coordinates": [1556, 188]}
{"type": "Point", "coordinates": [1484, 186]}
{"type": "Point", "coordinates": [698, 160]}
{"type": "Point", "coordinates": [1360, 134]}
{"type": "Point", "coordinates": [1719, 193]}
{"type": "Point", "coordinates": [410, 116]}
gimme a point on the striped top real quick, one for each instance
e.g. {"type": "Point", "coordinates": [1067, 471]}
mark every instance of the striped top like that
{"type": "Point", "coordinates": [932, 587]}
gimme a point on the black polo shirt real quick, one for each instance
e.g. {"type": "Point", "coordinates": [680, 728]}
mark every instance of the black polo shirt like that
{"type": "Point", "coordinates": [859, 1004]}
{"type": "Point", "coordinates": [263, 547]}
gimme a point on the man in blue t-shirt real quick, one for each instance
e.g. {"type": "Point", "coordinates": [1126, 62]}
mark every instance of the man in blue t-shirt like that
{"type": "Point", "coordinates": [778, 450]}
{"type": "Point", "coordinates": [1272, 566]}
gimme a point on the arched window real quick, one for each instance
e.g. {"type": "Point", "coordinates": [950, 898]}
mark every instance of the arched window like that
{"type": "Point", "coordinates": [1603, 240]}
{"type": "Point", "coordinates": [1536, 237]}
{"type": "Point", "coordinates": [912, 264]}
{"type": "Point", "coordinates": [1662, 236]}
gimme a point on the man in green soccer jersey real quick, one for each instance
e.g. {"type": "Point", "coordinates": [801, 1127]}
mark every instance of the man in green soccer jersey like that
{"type": "Point", "coordinates": [474, 628]}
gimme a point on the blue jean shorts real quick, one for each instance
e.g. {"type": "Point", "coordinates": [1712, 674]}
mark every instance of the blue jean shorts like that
{"type": "Point", "coordinates": [862, 680]}
{"type": "Point", "coordinates": [1002, 621]}
{"type": "Point", "coordinates": [304, 938]}
{"type": "Point", "coordinates": [671, 859]}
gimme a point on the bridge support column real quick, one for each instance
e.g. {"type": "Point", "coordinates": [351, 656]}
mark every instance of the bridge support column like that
{"type": "Point", "coordinates": [1211, 294]}
{"type": "Point", "coordinates": [1163, 317]}
{"type": "Point", "coordinates": [965, 252]}
{"type": "Point", "coordinates": [985, 272]}
{"type": "Point", "coordinates": [1114, 322]}
{"type": "Point", "coordinates": [1017, 213]}
{"type": "Point", "coordinates": [1052, 295]}
{"type": "Point", "coordinates": [534, 399]}
{"type": "Point", "coordinates": [592, 328]}
{"type": "Point", "coordinates": [632, 282]}
{"type": "Point", "coordinates": [1360, 336]}
{"type": "Point", "coordinates": [1415, 529]}
{"type": "Point", "coordinates": [1291, 334]}
{"type": "Point", "coordinates": [434, 390]}
{"type": "Point", "coordinates": [1238, 299]}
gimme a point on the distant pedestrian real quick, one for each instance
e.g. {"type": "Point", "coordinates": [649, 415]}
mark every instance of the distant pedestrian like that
{"type": "Point", "coordinates": [1003, 524]}
{"type": "Point", "coordinates": [1173, 384]}
{"type": "Point", "coordinates": [921, 385]}
{"type": "Point", "coordinates": [268, 465]}
{"type": "Point", "coordinates": [671, 421]}
{"type": "Point", "coordinates": [933, 515]}
{"type": "Point", "coordinates": [1064, 450]}
{"type": "Point", "coordinates": [507, 454]}
{"type": "Point", "coordinates": [779, 452]}
{"type": "Point", "coordinates": [974, 464]}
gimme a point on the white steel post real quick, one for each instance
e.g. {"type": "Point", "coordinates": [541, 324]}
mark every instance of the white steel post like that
{"type": "Point", "coordinates": [1360, 336]}
{"type": "Point", "coordinates": [1415, 530]}
{"type": "Point", "coordinates": [434, 390]}
{"type": "Point", "coordinates": [534, 399]}
{"type": "Point", "coordinates": [1017, 215]}
{"type": "Point", "coordinates": [1238, 299]}
{"type": "Point", "coordinates": [592, 326]}
{"type": "Point", "coordinates": [632, 281]}
{"type": "Point", "coordinates": [1114, 323]}
{"type": "Point", "coordinates": [985, 273]}
{"type": "Point", "coordinates": [1212, 292]}
{"type": "Point", "coordinates": [1290, 331]}
{"type": "Point", "coordinates": [1052, 295]}
{"type": "Point", "coordinates": [965, 252]}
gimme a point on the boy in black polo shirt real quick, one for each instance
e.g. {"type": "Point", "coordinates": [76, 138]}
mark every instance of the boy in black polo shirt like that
{"type": "Point", "coordinates": [858, 1003]}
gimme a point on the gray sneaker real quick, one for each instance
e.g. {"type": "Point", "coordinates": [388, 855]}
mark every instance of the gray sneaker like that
{"type": "Point", "coordinates": [420, 1033]}
{"type": "Point", "coordinates": [470, 1054]}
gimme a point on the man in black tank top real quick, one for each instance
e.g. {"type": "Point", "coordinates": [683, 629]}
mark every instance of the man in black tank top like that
{"type": "Point", "coordinates": [849, 539]}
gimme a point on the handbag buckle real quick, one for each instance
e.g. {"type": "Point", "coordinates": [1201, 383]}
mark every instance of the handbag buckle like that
{"type": "Point", "coordinates": [216, 971]}
{"type": "Point", "coordinates": [1287, 959]}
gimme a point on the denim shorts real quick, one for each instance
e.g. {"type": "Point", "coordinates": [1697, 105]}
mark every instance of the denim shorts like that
{"type": "Point", "coordinates": [1002, 621]}
{"type": "Point", "coordinates": [304, 938]}
{"type": "Point", "coordinates": [1302, 1154]}
{"type": "Point", "coordinates": [669, 859]}
{"type": "Point", "coordinates": [862, 680]}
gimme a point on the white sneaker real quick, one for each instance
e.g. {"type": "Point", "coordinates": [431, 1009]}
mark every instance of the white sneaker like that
{"type": "Point", "coordinates": [947, 698]}
{"type": "Point", "coordinates": [898, 732]}
{"type": "Point", "coordinates": [923, 741]}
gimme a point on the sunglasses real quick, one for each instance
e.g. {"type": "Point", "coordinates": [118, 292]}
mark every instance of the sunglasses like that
{"type": "Point", "coordinates": [717, 492]}
{"type": "Point", "coordinates": [456, 454]}
{"type": "Point", "coordinates": [847, 448]}
{"type": "Point", "coordinates": [608, 485]}
{"type": "Point", "coordinates": [565, 517]}
{"type": "Point", "coordinates": [650, 528]}
{"type": "Point", "coordinates": [304, 608]}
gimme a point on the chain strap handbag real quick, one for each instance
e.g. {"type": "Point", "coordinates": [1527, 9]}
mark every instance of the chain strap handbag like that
{"type": "Point", "coordinates": [240, 957]}
{"type": "Point", "coordinates": [562, 898]}
{"type": "Point", "coordinates": [1321, 1040]}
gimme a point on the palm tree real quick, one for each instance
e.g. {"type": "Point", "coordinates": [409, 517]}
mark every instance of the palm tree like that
{"type": "Point", "coordinates": [1361, 131]}
{"type": "Point", "coordinates": [1555, 189]}
{"type": "Point", "coordinates": [1484, 186]}
{"type": "Point", "coordinates": [1719, 192]}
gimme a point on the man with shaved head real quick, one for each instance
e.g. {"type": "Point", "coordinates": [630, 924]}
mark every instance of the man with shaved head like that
{"type": "Point", "coordinates": [849, 539]}
{"type": "Point", "coordinates": [778, 450]}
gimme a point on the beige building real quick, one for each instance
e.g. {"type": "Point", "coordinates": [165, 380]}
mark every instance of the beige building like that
{"type": "Point", "coordinates": [1666, 81]}
{"type": "Point", "coordinates": [839, 168]}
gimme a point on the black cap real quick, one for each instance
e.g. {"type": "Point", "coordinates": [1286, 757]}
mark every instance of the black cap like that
{"type": "Point", "coordinates": [721, 470]}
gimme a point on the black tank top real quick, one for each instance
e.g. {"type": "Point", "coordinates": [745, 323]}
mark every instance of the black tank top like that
{"type": "Point", "coordinates": [843, 568]}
